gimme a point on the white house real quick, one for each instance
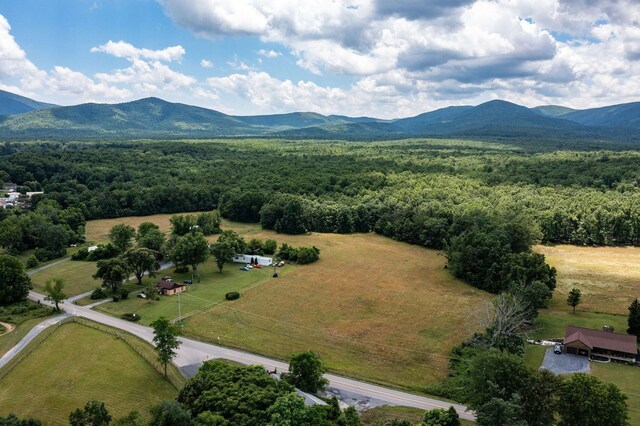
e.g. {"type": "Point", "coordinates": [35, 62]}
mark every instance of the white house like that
{"type": "Point", "coordinates": [246, 258]}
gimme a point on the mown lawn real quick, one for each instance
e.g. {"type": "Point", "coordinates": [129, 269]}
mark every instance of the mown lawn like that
{"type": "Point", "coordinates": [76, 364]}
{"type": "Point", "coordinates": [211, 290]}
{"type": "Point", "coordinates": [77, 276]}
{"type": "Point", "coordinates": [372, 307]}
{"type": "Point", "coordinates": [97, 230]}
{"type": "Point", "coordinates": [627, 378]}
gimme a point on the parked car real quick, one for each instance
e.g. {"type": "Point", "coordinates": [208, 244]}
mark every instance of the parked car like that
{"type": "Point", "coordinates": [244, 268]}
{"type": "Point", "coordinates": [557, 348]}
{"type": "Point", "coordinates": [142, 295]}
{"type": "Point", "coordinates": [281, 263]}
{"type": "Point", "coordinates": [187, 282]}
{"type": "Point", "coordinates": [257, 266]}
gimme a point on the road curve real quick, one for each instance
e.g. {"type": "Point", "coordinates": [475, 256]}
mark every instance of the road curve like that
{"type": "Point", "coordinates": [192, 353]}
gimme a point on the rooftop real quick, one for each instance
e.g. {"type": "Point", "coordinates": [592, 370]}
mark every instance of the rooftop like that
{"type": "Point", "coordinates": [602, 339]}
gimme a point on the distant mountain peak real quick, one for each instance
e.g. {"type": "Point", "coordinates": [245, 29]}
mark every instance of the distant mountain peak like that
{"type": "Point", "coordinates": [11, 104]}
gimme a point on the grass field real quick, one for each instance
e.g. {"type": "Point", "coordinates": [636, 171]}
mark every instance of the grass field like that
{"type": "Point", "coordinates": [379, 415]}
{"type": "Point", "coordinates": [76, 275]}
{"type": "Point", "coordinates": [607, 276]}
{"type": "Point", "coordinates": [372, 307]}
{"type": "Point", "coordinates": [9, 340]}
{"type": "Point", "coordinates": [200, 296]}
{"type": "Point", "coordinates": [97, 230]}
{"type": "Point", "coordinates": [59, 377]}
{"type": "Point", "coordinates": [627, 379]}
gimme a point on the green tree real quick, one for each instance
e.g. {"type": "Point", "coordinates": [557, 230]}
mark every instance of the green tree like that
{"type": "Point", "coordinates": [14, 281]}
{"type": "Point", "coordinates": [132, 419]}
{"type": "Point", "coordinates": [349, 417]}
{"type": "Point", "coordinates": [182, 224]}
{"type": "Point", "coordinates": [305, 372]}
{"type": "Point", "coordinates": [290, 410]}
{"type": "Point", "coordinates": [150, 236]}
{"type": "Point", "coordinates": [539, 398]}
{"type": "Point", "coordinates": [165, 338]}
{"type": "Point", "coordinates": [140, 260]}
{"type": "Point", "coordinates": [255, 246]}
{"type": "Point", "coordinates": [574, 297]}
{"type": "Point", "coordinates": [95, 413]}
{"type": "Point", "coordinates": [441, 417]}
{"type": "Point", "coordinates": [191, 249]}
{"type": "Point", "coordinates": [634, 318]}
{"type": "Point", "coordinates": [12, 420]}
{"type": "Point", "coordinates": [54, 290]}
{"type": "Point", "coordinates": [497, 411]}
{"type": "Point", "coordinates": [121, 235]}
{"type": "Point", "coordinates": [587, 401]}
{"type": "Point", "coordinates": [239, 394]}
{"type": "Point", "coordinates": [170, 413]}
{"type": "Point", "coordinates": [209, 222]}
{"type": "Point", "coordinates": [270, 246]}
{"type": "Point", "coordinates": [113, 272]}
{"type": "Point", "coordinates": [222, 251]}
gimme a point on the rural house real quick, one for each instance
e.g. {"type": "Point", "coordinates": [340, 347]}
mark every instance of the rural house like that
{"type": "Point", "coordinates": [600, 344]}
{"type": "Point", "coordinates": [10, 187]}
{"type": "Point", "coordinates": [169, 287]}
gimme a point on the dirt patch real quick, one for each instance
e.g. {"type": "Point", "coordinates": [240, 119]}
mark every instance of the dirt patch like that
{"type": "Point", "coordinates": [8, 328]}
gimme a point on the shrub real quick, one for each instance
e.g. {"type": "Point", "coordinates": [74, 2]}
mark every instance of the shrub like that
{"type": "Point", "coordinates": [232, 295]}
{"type": "Point", "coordinates": [308, 255]}
{"type": "Point", "coordinates": [115, 297]}
{"type": "Point", "coordinates": [124, 294]}
{"type": "Point", "coordinates": [181, 269]}
{"type": "Point", "coordinates": [104, 251]}
{"type": "Point", "coordinates": [269, 247]}
{"type": "Point", "coordinates": [98, 293]}
{"type": "Point", "coordinates": [32, 262]}
{"type": "Point", "coordinates": [288, 253]}
{"type": "Point", "coordinates": [80, 254]}
{"type": "Point", "coordinates": [131, 317]}
{"type": "Point", "coordinates": [44, 255]}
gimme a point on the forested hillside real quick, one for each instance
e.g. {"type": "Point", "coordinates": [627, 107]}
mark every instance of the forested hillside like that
{"type": "Point", "coordinates": [411, 190]}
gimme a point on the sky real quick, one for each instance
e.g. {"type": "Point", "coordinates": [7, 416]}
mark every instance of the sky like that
{"type": "Point", "coordinates": [379, 58]}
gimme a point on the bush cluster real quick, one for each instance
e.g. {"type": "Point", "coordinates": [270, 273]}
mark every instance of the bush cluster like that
{"type": "Point", "coordinates": [232, 295]}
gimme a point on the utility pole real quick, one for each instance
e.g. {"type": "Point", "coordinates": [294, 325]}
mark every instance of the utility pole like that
{"type": "Point", "coordinates": [180, 313]}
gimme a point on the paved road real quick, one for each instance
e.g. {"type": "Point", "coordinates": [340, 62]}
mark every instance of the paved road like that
{"type": "Point", "coordinates": [193, 353]}
{"type": "Point", "coordinates": [29, 337]}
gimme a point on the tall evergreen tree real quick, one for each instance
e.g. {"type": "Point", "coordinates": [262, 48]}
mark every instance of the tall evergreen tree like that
{"type": "Point", "coordinates": [634, 318]}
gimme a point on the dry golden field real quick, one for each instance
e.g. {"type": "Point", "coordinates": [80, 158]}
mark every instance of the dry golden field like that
{"type": "Point", "coordinates": [608, 277]}
{"type": "Point", "coordinates": [372, 307]}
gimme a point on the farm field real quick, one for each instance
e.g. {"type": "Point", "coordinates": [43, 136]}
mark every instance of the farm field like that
{"type": "Point", "coordinates": [55, 377]}
{"type": "Point", "coordinates": [77, 277]}
{"type": "Point", "coordinates": [97, 230]}
{"type": "Point", "coordinates": [372, 307]}
{"type": "Point", "coordinates": [200, 296]}
{"type": "Point", "coordinates": [607, 276]}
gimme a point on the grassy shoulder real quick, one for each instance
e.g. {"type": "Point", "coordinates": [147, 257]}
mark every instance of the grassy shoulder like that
{"type": "Point", "coordinates": [58, 377]}
{"type": "Point", "coordinates": [200, 296]}
{"type": "Point", "coordinates": [380, 416]}
{"type": "Point", "coordinates": [24, 316]}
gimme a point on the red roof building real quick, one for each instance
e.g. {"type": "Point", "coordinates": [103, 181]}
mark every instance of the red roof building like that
{"type": "Point", "coordinates": [603, 344]}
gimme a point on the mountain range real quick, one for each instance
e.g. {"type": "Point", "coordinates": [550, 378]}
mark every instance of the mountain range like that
{"type": "Point", "coordinates": [24, 118]}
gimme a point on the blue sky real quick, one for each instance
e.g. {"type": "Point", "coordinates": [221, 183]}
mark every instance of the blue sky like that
{"type": "Point", "coordinates": [359, 57]}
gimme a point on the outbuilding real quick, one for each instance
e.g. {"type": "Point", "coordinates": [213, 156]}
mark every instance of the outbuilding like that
{"type": "Point", "coordinates": [600, 344]}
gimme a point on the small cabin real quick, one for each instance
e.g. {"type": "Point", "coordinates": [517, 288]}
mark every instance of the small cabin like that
{"type": "Point", "coordinates": [169, 287]}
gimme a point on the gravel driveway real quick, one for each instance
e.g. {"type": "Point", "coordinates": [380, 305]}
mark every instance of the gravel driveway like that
{"type": "Point", "coordinates": [564, 363]}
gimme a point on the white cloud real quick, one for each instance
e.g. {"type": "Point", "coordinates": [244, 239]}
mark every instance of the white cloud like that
{"type": "Point", "coordinates": [122, 49]}
{"type": "Point", "coordinates": [205, 63]}
{"type": "Point", "coordinates": [269, 53]}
